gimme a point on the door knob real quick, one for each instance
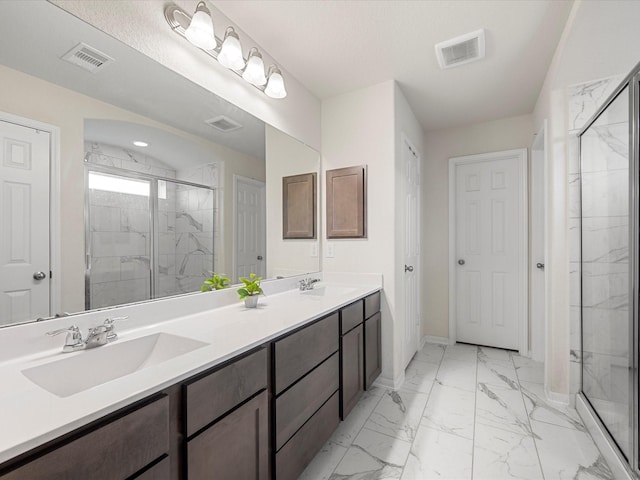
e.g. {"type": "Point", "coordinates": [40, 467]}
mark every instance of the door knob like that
{"type": "Point", "coordinates": [461, 262]}
{"type": "Point", "coordinates": [39, 275]}
{"type": "Point", "coordinates": [259, 257]}
{"type": "Point", "coordinates": [540, 265]}
{"type": "Point", "coordinates": [408, 268]}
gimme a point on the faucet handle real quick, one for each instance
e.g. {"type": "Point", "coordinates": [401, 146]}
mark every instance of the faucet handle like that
{"type": "Point", "coordinates": [73, 330]}
{"type": "Point", "coordinates": [108, 323]}
{"type": "Point", "coordinates": [74, 338]}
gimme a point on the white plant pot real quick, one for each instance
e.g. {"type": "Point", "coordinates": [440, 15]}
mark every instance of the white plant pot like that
{"type": "Point", "coordinates": [251, 301]}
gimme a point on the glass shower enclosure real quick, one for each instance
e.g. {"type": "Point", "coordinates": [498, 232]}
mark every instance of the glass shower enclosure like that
{"type": "Point", "coordinates": [146, 237]}
{"type": "Point", "coordinates": [609, 268]}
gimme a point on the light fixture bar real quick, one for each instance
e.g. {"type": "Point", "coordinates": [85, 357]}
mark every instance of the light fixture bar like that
{"type": "Point", "coordinates": [179, 21]}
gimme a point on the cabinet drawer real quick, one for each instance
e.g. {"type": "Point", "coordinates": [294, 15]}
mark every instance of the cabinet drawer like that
{"type": "Point", "coordinates": [160, 471]}
{"type": "Point", "coordinates": [371, 305]}
{"type": "Point", "coordinates": [296, 405]}
{"type": "Point", "coordinates": [211, 396]}
{"type": "Point", "coordinates": [115, 451]}
{"type": "Point", "coordinates": [292, 459]}
{"type": "Point", "coordinates": [236, 447]}
{"type": "Point", "coordinates": [303, 350]}
{"type": "Point", "coordinates": [351, 316]}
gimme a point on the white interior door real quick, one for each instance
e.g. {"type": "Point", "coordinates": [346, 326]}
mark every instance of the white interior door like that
{"type": "Point", "coordinates": [250, 233]}
{"type": "Point", "coordinates": [24, 223]}
{"type": "Point", "coordinates": [537, 257]}
{"type": "Point", "coordinates": [490, 250]}
{"type": "Point", "coordinates": [411, 171]}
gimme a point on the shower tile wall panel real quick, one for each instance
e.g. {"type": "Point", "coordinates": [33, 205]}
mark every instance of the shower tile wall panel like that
{"type": "Point", "coordinates": [120, 230]}
{"type": "Point", "coordinates": [111, 156]}
{"type": "Point", "coordinates": [605, 265]}
{"type": "Point", "coordinates": [583, 101]}
{"type": "Point", "coordinates": [196, 212]}
{"type": "Point", "coordinates": [120, 248]}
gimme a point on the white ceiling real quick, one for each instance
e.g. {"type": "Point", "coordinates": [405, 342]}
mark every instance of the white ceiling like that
{"type": "Point", "coordinates": [334, 47]}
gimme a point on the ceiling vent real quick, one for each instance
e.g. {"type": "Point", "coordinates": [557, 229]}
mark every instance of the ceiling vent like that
{"type": "Point", "coordinates": [460, 50]}
{"type": "Point", "coordinates": [88, 58]}
{"type": "Point", "coordinates": [223, 124]}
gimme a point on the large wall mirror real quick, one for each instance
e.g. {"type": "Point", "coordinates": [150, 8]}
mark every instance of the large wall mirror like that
{"type": "Point", "coordinates": [91, 219]}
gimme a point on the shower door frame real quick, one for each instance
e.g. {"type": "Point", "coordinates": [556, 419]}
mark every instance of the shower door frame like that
{"type": "Point", "coordinates": [153, 212]}
{"type": "Point", "coordinates": [632, 81]}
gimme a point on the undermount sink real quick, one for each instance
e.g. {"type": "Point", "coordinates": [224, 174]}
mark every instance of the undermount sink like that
{"type": "Point", "coordinates": [94, 367]}
{"type": "Point", "coordinates": [329, 291]}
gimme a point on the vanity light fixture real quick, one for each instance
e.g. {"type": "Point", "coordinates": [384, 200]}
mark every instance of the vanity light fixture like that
{"type": "Point", "coordinates": [140, 143]}
{"type": "Point", "coordinates": [254, 71]}
{"type": "Point", "coordinates": [230, 55]}
{"type": "Point", "coordinates": [199, 31]}
{"type": "Point", "coordinates": [275, 85]}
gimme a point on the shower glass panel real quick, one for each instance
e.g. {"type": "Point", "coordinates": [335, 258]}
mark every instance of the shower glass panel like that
{"type": "Point", "coordinates": [118, 240]}
{"type": "Point", "coordinates": [185, 253]}
{"type": "Point", "coordinates": [607, 354]}
{"type": "Point", "coordinates": [146, 237]}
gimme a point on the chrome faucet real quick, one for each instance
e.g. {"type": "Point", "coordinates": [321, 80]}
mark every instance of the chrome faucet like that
{"type": "Point", "coordinates": [97, 336]}
{"type": "Point", "coordinates": [307, 283]}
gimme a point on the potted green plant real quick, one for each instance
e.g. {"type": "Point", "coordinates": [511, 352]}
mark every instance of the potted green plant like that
{"type": "Point", "coordinates": [218, 281]}
{"type": "Point", "coordinates": [250, 291]}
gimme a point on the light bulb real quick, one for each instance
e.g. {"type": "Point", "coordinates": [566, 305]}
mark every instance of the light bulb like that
{"type": "Point", "coordinates": [200, 30]}
{"type": "Point", "coordinates": [275, 85]}
{"type": "Point", "coordinates": [230, 55]}
{"type": "Point", "coordinates": [254, 71]}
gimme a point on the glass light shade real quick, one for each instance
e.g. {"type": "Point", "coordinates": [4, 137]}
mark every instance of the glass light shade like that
{"type": "Point", "coordinates": [275, 85]}
{"type": "Point", "coordinates": [254, 71]}
{"type": "Point", "coordinates": [200, 30]}
{"type": "Point", "coordinates": [230, 55]}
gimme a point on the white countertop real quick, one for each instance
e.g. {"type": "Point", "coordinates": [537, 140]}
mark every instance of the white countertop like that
{"type": "Point", "coordinates": [31, 416]}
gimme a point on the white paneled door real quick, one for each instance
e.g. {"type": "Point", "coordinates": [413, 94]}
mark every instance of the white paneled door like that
{"type": "Point", "coordinates": [490, 250]}
{"type": "Point", "coordinates": [24, 223]}
{"type": "Point", "coordinates": [411, 174]}
{"type": "Point", "coordinates": [250, 232]}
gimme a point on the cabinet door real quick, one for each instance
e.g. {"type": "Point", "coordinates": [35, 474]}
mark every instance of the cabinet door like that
{"type": "Point", "coordinates": [373, 347]}
{"type": "Point", "coordinates": [114, 451]}
{"type": "Point", "coordinates": [351, 370]}
{"type": "Point", "coordinates": [235, 447]}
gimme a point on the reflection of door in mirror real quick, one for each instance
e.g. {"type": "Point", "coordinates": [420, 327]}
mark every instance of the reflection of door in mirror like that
{"type": "Point", "coordinates": [24, 223]}
{"type": "Point", "coordinates": [147, 236]}
{"type": "Point", "coordinates": [250, 233]}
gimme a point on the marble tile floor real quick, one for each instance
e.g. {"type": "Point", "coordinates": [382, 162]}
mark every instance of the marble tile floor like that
{"type": "Point", "coordinates": [463, 413]}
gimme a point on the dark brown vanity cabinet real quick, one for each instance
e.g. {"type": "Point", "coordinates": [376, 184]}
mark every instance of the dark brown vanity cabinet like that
{"type": "Point", "coordinates": [226, 421]}
{"type": "Point", "coordinates": [261, 415]}
{"type": "Point", "coordinates": [372, 339]}
{"type": "Point", "coordinates": [127, 444]}
{"type": "Point", "coordinates": [351, 356]}
{"type": "Point", "coordinates": [305, 379]}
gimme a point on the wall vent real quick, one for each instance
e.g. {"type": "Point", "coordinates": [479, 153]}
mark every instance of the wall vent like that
{"type": "Point", "coordinates": [88, 58]}
{"type": "Point", "coordinates": [460, 50]}
{"type": "Point", "coordinates": [223, 124]}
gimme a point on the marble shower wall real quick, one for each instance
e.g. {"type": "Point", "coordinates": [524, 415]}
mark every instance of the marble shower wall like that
{"type": "Point", "coordinates": [120, 230]}
{"type": "Point", "coordinates": [195, 221]}
{"type": "Point", "coordinates": [583, 101]}
{"type": "Point", "coordinates": [605, 257]}
{"type": "Point", "coordinates": [121, 236]}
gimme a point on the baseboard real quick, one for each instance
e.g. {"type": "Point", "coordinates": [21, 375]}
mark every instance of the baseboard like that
{"type": "Point", "coordinates": [560, 398]}
{"type": "Point", "coordinates": [389, 383]}
{"type": "Point", "coordinates": [619, 467]}
{"type": "Point", "coordinates": [434, 339]}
